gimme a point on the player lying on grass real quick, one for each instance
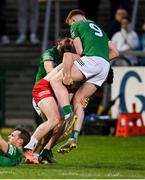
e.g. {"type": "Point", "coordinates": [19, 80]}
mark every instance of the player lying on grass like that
{"type": "Point", "coordinates": [11, 152]}
{"type": "Point", "coordinates": [45, 100]}
{"type": "Point", "coordinates": [95, 49]}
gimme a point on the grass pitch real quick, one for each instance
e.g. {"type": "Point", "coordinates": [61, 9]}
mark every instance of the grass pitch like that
{"type": "Point", "coordinates": [96, 157]}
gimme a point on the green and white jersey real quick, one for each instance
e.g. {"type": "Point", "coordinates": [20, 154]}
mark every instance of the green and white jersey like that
{"type": "Point", "coordinates": [48, 55]}
{"type": "Point", "coordinates": [12, 157]}
{"type": "Point", "coordinates": [94, 39]}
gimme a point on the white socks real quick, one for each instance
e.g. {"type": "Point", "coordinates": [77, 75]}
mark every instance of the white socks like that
{"type": "Point", "coordinates": [32, 143]}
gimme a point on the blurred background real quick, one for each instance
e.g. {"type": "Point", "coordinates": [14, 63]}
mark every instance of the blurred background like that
{"type": "Point", "coordinates": [29, 27]}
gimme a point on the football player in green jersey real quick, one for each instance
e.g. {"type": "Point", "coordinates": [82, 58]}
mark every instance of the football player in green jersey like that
{"type": "Point", "coordinates": [11, 152]}
{"type": "Point", "coordinates": [51, 58]}
{"type": "Point", "coordinates": [95, 49]}
{"type": "Point", "coordinates": [46, 102]}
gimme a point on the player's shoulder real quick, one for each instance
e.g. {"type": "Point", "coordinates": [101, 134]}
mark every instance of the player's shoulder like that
{"type": "Point", "coordinates": [50, 50]}
{"type": "Point", "coordinates": [49, 53]}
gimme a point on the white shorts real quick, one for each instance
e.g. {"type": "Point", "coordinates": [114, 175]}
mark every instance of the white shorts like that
{"type": "Point", "coordinates": [37, 109]}
{"type": "Point", "coordinates": [94, 68]}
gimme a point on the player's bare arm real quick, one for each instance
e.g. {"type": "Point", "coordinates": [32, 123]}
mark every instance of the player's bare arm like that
{"type": "Point", "coordinates": [68, 59]}
{"type": "Point", "coordinates": [53, 72]}
{"type": "Point", "coordinates": [3, 145]}
{"type": "Point", "coordinates": [113, 52]}
{"type": "Point", "coordinates": [78, 45]}
{"type": "Point", "coordinates": [48, 65]}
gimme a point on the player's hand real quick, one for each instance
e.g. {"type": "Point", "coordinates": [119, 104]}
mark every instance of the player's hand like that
{"type": "Point", "coordinates": [85, 102]}
{"type": "Point", "coordinates": [67, 80]}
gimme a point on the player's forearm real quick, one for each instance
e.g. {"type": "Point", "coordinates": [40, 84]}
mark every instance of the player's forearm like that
{"type": "Point", "coordinates": [67, 64]}
{"type": "Point", "coordinates": [78, 46]}
{"type": "Point", "coordinates": [3, 145]}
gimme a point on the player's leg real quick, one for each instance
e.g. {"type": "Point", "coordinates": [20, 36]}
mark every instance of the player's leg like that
{"type": "Point", "coordinates": [63, 96]}
{"type": "Point", "coordinates": [45, 139]}
{"type": "Point", "coordinates": [60, 89]}
{"type": "Point", "coordinates": [85, 67]}
{"type": "Point", "coordinates": [45, 145]}
{"type": "Point", "coordinates": [46, 155]}
{"type": "Point", "coordinates": [85, 91]}
{"type": "Point", "coordinates": [53, 119]}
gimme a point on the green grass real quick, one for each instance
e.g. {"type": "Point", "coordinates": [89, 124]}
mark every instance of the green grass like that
{"type": "Point", "coordinates": [96, 157]}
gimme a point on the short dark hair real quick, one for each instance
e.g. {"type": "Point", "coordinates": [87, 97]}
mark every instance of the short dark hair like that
{"type": "Point", "coordinates": [24, 134]}
{"type": "Point", "coordinates": [64, 34]}
{"type": "Point", "coordinates": [74, 12]}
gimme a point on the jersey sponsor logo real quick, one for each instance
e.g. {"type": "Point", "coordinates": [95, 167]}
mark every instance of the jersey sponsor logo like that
{"type": "Point", "coordinates": [98, 31]}
{"type": "Point", "coordinates": [40, 94]}
{"type": "Point", "coordinates": [11, 149]}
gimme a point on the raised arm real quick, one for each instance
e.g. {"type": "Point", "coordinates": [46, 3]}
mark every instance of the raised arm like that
{"type": "Point", "coordinates": [113, 52]}
{"type": "Point", "coordinates": [78, 46]}
{"type": "Point", "coordinates": [68, 59]}
{"type": "Point", "coordinates": [3, 145]}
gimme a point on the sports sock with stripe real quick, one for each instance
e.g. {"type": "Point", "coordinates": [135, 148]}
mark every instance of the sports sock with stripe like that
{"type": "Point", "coordinates": [74, 134]}
{"type": "Point", "coordinates": [67, 110]}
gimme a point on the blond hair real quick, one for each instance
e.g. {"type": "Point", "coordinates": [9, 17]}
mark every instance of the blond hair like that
{"type": "Point", "coordinates": [74, 12]}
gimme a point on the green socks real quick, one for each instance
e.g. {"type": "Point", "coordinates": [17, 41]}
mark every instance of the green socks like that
{"type": "Point", "coordinates": [67, 110]}
{"type": "Point", "coordinates": [44, 152]}
{"type": "Point", "coordinates": [74, 134]}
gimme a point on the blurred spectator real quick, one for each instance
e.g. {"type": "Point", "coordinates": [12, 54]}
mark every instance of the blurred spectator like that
{"type": "Point", "coordinates": [28, 10]}
{"type": "Point", "coordinates": [3, 33]}
{"type": "Point", "coordinates": [116, 4]}
{"type": "Point", "coordinates": [126, 39]}
{"type": "Point", "coordinates": [116, 23]}
{"type": "Point", "coordinates": [90, 8]}
{"type": "Point", "coordinates": [142, 43]}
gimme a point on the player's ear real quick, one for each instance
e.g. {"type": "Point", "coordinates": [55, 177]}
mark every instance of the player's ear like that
{"type": "Point", "coordinates": [20, 141]}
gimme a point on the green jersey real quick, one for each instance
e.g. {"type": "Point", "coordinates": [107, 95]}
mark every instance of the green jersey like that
{"type": "Point", "coordinates": [51, 54]}
{"type": "Point", "coordinates": [94, 39]}
{"type": "Point", "coordinates": [12, 157]}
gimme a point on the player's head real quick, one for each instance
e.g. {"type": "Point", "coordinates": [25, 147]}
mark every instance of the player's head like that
{"type": "Point", "coordinates": [65, 42]}
{"type": "Point", "coordinates": [19, 137]}
{"type": "Point", "coordinates": [74, 16]}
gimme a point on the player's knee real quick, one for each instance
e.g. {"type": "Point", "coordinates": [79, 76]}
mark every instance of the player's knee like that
{"type": "Point", "coordinates": [59, 125]}
{"type": "Point", "coordinates": [54, 121]}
